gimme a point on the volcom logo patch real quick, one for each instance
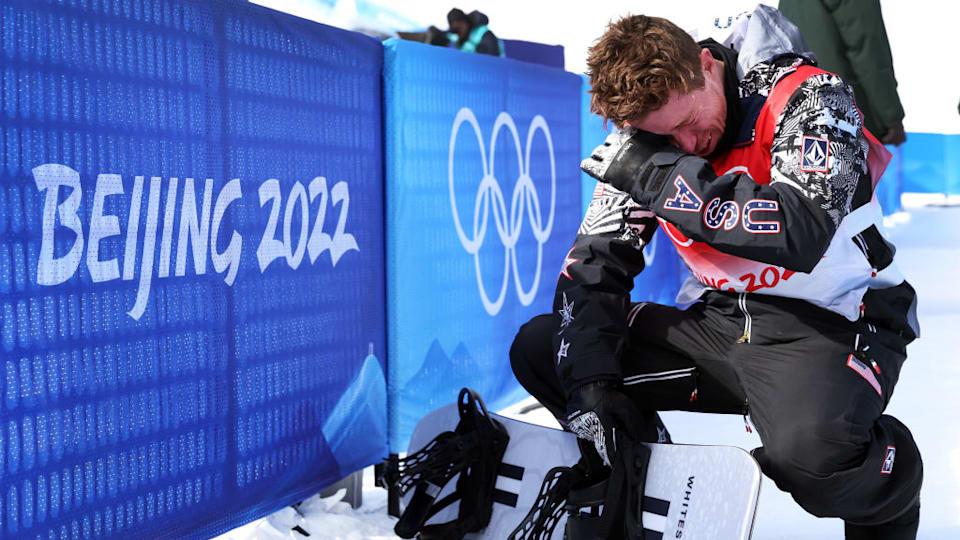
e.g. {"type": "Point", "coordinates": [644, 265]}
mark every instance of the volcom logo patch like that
{"type": "Point", "coordinates": [816, 154]}
{"type": "Point", "coordinates": [888, 460]}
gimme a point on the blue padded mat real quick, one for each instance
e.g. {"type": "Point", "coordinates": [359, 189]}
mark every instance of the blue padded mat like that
{"type": "Point", "coordinates": [471, 257]}
{"type": "Point", "coordinates": [183, 337]}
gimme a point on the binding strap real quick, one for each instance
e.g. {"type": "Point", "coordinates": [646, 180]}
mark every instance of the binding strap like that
{"type": "Point", "coordinates": [613, 509]}
{"type": "Point", "coordinates": [474, 450]}
{"type": "Point", "coordinates": [547, 509]}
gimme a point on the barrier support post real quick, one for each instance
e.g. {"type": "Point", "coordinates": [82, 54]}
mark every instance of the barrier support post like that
{"type": "Point", "coordinates": [386, 474]}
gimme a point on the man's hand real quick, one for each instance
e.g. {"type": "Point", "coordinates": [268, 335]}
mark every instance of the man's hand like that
{"type": "Point", "coordinates": [634, 162]}
{"type": "Point", "coordinates": [601, 413]}
{"type": "Point", "coordinates": [895, 135]}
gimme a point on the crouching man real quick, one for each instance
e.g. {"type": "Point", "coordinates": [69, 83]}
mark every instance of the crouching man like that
{"type": "Point", "coordinates": [756, 164]}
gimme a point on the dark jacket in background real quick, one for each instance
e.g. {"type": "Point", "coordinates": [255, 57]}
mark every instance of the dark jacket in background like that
{"type": "Point", "coordinates": [481, 39]}
{"type": "Point", "coordinates": [849, 39]}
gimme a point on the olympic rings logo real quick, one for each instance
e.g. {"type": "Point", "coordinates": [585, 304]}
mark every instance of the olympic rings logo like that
{"type": "Point", "coordinates": [489, 195]}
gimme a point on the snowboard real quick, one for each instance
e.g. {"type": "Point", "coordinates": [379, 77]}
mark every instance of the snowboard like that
{"type": "Point", "coordinates": [691, 492]}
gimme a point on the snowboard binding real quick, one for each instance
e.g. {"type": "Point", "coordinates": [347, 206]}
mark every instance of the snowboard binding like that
{"type": "Point", "coordinates": [548, 508]}
{"type": "Point", "coordinates": [473, 450]}
{"type": "Point", "coordinates": [614, 507]}
{"type": "Point", "coordinates": [608, 508]}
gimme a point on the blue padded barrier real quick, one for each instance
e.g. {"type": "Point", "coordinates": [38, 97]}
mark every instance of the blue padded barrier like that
{"type": "Point", "coordinates": [182, 335]}
{"type": "Point", "coordinates": [535, 53]}
{"type": "Point", "coordinates": [592, 134]}
{"type": "Point", "coordinates": [930, 163]}
{"type": "Point", "coordinates": [471, 257]}
{"type": "Point", "coordinates": [889, 188]}
{"type": "Point", "coordinates": [665, 271]}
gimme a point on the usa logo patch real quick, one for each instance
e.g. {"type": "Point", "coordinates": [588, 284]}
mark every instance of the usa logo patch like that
{"type": "Point", "coordinates": [888, 460]}
{"type": "Point", "coordinates": [815, 154]}
{"type": "Point", "coordinates": [685, 200]}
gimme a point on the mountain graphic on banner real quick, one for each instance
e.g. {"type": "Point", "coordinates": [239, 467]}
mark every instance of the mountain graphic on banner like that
{"type": "Point", "coordinates": [357, 427]}
{"type": "Point", "coordinates": [441, 377]}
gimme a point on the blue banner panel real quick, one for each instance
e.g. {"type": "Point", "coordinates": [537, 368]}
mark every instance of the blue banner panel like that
{"type": "Point", "coordinates": [931, 163]}
{"type": "Point", "coordinates": [302, 130]}
{"type": "Point", "coordinates": [535, 53]}
{"type": "Point", "coordinates": [665, 271]}
{"type": "Point", "coordinates": [483, 203]}
{"type": "Point", "coordinates": [190, 265]}
{"type": "Point", "coordinates": [592, 135]}
{"type": "Point", "coordinates": [888, 189]}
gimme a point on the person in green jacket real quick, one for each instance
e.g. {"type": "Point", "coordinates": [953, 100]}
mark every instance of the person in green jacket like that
{"type": "Point", "coordinates": [849, 39]}
{"type": "Point", "coordinates": [469, 33]}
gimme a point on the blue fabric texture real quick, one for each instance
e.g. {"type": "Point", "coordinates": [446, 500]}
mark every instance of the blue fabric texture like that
{"type": "Point", "coordinates": [483, 201]}
{"type": "Point", "coordinates": [889, 188]}
{"type": "Point", "coordinates": [191, 265]}
{"type": "Point", "coordinates": [929, 163]}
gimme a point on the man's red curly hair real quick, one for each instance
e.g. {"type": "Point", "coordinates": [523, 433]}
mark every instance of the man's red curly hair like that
{"type": "Point", "coordinates": [637, 63]}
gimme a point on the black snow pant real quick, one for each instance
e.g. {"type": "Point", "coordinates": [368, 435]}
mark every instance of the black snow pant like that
{"type": "Point", "coordinates": [815, 386]}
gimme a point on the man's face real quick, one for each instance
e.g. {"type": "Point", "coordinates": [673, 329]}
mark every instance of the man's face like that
{"type": "Point", "coordinates": [694, 121]}
{"type": "Point", "coordinates": [461, 28]}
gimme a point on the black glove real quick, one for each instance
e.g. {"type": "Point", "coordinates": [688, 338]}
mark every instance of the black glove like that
{"type": "Point", "coordinates": [635, 162]}
{"type": "Point", "coordinates": [601, 413]}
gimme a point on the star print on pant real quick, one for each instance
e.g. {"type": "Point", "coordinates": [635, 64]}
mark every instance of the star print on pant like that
{"type": "Point", "coordinates": [562, 353]}
{"type": "Point", "coordinates": [565, 270]}
{"type": "Point", "coordinates": [566, 314]}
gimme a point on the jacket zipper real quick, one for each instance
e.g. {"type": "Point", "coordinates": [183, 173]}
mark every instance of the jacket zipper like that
{"type": "Point", "coordinates": [747, 320]}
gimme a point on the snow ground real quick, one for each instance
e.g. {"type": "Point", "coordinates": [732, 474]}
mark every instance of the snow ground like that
{"type": "Point", "coordinates": [928, 241]}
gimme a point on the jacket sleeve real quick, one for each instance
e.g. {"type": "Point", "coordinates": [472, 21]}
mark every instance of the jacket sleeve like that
{"type": "Point", "coordinates": [593, 289]}
{"type": "Point", "coordinates": [818, 171]}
